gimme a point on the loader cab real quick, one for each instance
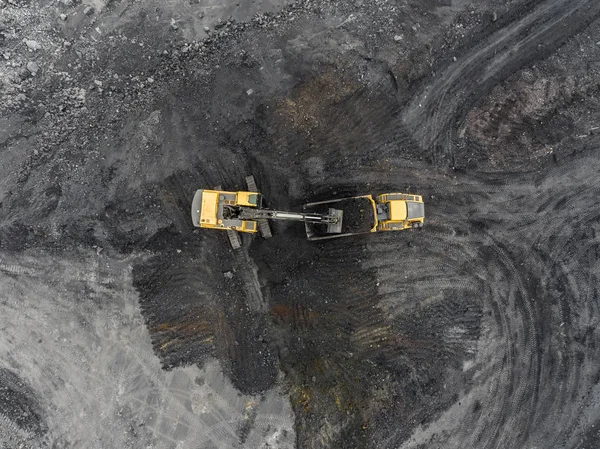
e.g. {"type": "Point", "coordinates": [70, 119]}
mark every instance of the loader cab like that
{"type": "Point", "coordinates": [398, 211]}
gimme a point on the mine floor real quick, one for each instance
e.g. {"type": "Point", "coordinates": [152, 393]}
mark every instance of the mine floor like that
{"type": "Point", "coordinates": [123, 326]}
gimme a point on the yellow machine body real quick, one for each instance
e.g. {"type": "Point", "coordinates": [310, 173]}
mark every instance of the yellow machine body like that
{"type": "Point", "coordinates": [399, 211]}
{"type": "Point", "coordinates": [242, 212]}
{"type": "Point", "coordinates": [209, 209]}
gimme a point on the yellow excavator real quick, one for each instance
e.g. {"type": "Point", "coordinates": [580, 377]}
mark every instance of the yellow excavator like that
{"type": "Point", "coordinates": [243, 211]}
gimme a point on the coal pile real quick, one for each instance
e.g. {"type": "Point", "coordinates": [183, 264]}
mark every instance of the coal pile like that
{"type": "Point", "coordinates": [358, 217]}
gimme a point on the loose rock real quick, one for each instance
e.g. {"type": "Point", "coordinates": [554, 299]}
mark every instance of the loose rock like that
{"type": "Point", "coordinates": [24, 73]}
{"type": "Point", "coordinates": [32, 67]}
{"type": "Point", "coordinates": [32, 45]}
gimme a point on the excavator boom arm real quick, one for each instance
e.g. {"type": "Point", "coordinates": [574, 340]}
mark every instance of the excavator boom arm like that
{"type": "Point", "coordinates": [247, 213]}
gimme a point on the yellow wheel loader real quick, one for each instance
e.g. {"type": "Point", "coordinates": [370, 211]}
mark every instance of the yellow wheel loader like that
{"type": "Point", "coordinates": [244, 212]}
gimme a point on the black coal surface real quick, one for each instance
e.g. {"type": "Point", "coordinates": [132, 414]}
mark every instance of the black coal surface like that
{"type": "Point", "coordinates": [358, 217]}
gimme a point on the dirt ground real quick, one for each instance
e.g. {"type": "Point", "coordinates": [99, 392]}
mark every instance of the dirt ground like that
{"type": "Point", "coordinates": [122, 326]}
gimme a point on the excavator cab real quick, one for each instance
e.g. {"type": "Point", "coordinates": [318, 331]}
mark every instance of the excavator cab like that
{"type": "Point", "coordinates": [218, 209]}
{"type": "Point", "coordinates": [398, 211]}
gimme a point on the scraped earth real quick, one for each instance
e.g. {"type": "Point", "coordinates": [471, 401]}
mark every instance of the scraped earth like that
{"type": "Point", "coordinates": [123, 326]}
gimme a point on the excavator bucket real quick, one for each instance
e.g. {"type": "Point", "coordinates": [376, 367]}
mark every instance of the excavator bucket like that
{"type": "Point", "coordinates": [356, 215]}
{"type": "Point", "coordinates": [335, 228]}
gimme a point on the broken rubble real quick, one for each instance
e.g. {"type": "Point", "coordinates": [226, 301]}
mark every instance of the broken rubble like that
{"type": "Point", "coordinates": [32, 45]}
{"type": "Point", "coordinates": [32, 67]}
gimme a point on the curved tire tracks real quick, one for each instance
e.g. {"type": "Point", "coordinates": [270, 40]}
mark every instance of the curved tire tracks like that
{"type": "Point", "coordinates": [439, 109]}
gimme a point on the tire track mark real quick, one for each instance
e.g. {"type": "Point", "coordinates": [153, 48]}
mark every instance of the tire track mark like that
{"type": "Point", "coordinates": [435, 113]}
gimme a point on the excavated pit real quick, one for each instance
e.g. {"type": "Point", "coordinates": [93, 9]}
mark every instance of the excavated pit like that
{"type": "Point", "coordinates": [126, 327]}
